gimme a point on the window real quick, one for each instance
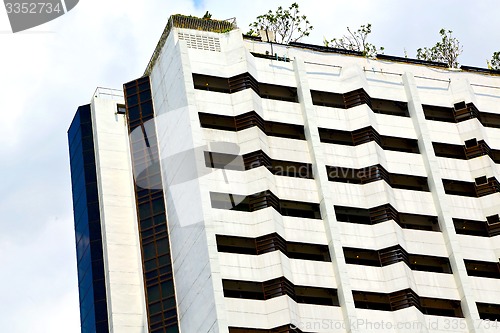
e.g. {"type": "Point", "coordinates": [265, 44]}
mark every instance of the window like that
{"type": "Point", "coordinates": [280, 287]}
{"type": "Point", "coordinates": [244, 81]}
{"type": "Point", "coordinates": [481, 186]}
{"type": "Point", "coordinates": [407, 298]}
{"type": "Point", "coordinates": [358, 97]}
{"type": "Point", "coordinates": [449, 150]}
{"type": "Point", "coordinates": [272, 242]}
{"type": "Point", "coordinates": [483, 269]}
{"type": "Point", "coordinates": [439, 113]}
{"type": "Point", "coordinates": [255, 160]}
{"type": "Point", "coordinates": [120, 109]}
{"type": "Point", "coordinates": [489, 311]}
{"type": "Point", "coordinates": [263, 200]}
{"type": "Point", "coordinates": [249, 120]}
{"type": "Point", "coordinates": [395, 254]}
{"type": "Point", "coordinates": [328, 99]}
{"type": "Point", "coordinates": [375, 173]}
{"type": "Point", "coordinates": [368, 134]}
{"type": "Point", "coordinates": [490, 119]}
{"type": "Point", "coordinates": [395, 108]}
{"type": "Point", "coordinates": [457, 187]}
{"type": "Point", "coordinates": [384, 213]}
{"type": "Point", "coordinates": [471, 227]}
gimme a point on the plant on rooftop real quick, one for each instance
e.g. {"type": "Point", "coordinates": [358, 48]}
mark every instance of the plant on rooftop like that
{"type": "Point", "coordinates": [447, 50]}
{"type": "Point", "coordinates": [356, 41]}
{"type": "Point", "coordinates": [286, 24]}
{"type": "Point", "coordinates": [206, 23]}
{"type": "Point", "coordinates": [494, 63]}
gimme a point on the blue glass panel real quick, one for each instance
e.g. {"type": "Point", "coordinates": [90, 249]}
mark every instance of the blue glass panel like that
{"type": "Point", "coordinates": [74, 128]}
{"type": "Point", "coordinates": [82, 244]}
{"type": "Point", "coordinates": [86, 291]}
{"type": "Point", "coordinates": [84, 268]}
{"type": "Point", "coordinates": [88, 321]}
{"type": "Point", "coordinates": [86, 302]}
{"type": "Point", "coordinates": [90, 265]}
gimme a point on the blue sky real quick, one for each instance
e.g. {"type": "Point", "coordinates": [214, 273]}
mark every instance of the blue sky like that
{"type": "Point", "coordinates": [47, 72]}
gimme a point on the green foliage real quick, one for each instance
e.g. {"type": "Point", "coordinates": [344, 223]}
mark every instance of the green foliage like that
{"type": "Point", "coordinates": [356, 41]}
{"type": "Point", "coordinates": [494, 63]}
{"type": "Point", "coordinates": [447, 50]}
{"type": "Point", "coordinates": [201, 23]}
{"type": "Point", "coordinates": [286, 24]}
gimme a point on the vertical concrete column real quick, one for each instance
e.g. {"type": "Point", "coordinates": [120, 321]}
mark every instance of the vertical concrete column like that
{"type": "Point", "coordinates": [217, 315]}
{"type": "Point", "coordinates": [197, 278]}
{"type": "Point", "coordinates": [462, 91]}
{"type": "Point", "coordinates": [326, 203]}
{"type": "Point", "coordinates": [436, 187]}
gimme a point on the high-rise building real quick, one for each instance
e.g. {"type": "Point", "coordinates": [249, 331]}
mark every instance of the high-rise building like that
{"type": "Point", "coordinates": [245, 186]}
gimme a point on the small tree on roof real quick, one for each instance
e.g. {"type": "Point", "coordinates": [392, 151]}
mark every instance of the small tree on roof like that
{"type": "Point", "coordinates": [494, 63]}
{"type": "Point", "coordinates": [356, 41]}
{"type": "Point", "coordinates": [286, 24]}
{"type": "Point", "coordinates": [447, 50]}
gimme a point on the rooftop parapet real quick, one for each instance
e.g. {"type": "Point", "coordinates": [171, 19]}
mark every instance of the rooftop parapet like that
{"type": "Point", "coordinates": [109, 93]}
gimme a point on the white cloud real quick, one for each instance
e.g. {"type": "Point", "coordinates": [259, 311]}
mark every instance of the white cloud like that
{"type": "Point", "coordinates": [44, 78]}
{"type": "Point", "coordinates": [38, 286]}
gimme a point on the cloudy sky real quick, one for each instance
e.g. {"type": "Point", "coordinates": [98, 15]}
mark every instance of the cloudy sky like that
{"type": "Point", "coordinates": [48, 71]}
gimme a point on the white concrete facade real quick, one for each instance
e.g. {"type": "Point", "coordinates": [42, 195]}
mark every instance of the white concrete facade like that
{"type": "Point", "coordinates": [200, 269]}
{"type": "Point", "coordinates": [197, 263]}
